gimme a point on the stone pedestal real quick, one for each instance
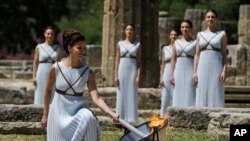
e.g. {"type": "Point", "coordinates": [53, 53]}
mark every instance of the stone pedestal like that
{"type": "Point", "coordinates": [144, 15]}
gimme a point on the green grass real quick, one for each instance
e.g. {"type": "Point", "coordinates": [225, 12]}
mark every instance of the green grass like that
{"type": "Point", "coordinates": [115, 135]}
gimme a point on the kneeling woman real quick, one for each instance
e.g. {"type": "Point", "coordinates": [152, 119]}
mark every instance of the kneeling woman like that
{"type": "Point", "coordinates": [68, 116]}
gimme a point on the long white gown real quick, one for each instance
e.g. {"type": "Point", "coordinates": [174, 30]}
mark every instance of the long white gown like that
{"type": "Point", "coordinates": [184, 90]}
{"type": "Point", "coordinates": [69, 117]}
{"type": "Point", "coordinates": [127, 95]}
{"type": "Point", "coordinates": [47, 56]}
{"type": "Point", "coordinates": [167, 90]}
{"type": "Point", "coordinates": [210, 91]}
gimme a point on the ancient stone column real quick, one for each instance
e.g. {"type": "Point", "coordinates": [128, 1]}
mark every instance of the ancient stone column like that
{"type": "Point", "coordinates": [244, 25]}
{"type": "Point", "coordinates": [144, 15]}
{"type": "Point", "coordinates": [244, 38]}
{"type": "Point", "coordinates": [165, 25]}
{"type": "Point", "coordinates": [196, 17]}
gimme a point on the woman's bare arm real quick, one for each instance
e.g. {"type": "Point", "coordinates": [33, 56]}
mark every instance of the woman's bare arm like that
{"type": "Point", "coordinates": [96, 98]}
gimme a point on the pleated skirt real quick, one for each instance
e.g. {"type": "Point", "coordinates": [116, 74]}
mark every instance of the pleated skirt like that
{"type": "Point", "coordinates": [210, 91]}
{"type": "Point", "coordinates": [127, 97]}
{"type": "Point", "coordinates": [70, 120]}
{"type": "Point", "coordinates": [167, 91]}
{"type": "Point", "coordinates": [184, 90]}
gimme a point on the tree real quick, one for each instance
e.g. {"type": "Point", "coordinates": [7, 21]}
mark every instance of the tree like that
{"type": "Point", "coordinates": [22, 22]}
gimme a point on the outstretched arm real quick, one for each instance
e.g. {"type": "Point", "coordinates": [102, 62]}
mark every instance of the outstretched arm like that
{"type": "Point", "coordinates": [96, 98]}
{"type": "Point", "coordinates": [47, 95]}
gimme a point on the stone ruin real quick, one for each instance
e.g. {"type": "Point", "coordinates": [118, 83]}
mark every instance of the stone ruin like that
{"type": "Point", "coordinates": [116, 14]}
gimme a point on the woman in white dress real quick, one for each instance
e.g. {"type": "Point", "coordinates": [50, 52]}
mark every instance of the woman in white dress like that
{"type": "Point", "coordinates": [210, 64]}
{"type": "Point", "coordinates": [182, 67]}
{"type": "Point", "coordinates": [68, 116]}
{"type": "Point", "coordinates": [127, 75]}
{"type": "Point", "coordinates": [45, 55]}
{"type": "Point", "coordinates": [166, 94]}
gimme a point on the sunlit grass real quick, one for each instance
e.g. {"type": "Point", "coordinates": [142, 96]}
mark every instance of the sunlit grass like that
{"type": "Point", "coordinates": [190, 135]}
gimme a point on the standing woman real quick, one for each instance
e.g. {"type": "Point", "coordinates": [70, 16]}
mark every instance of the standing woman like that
{"type": "Point", "coordinates": [182, 67]}
{"type": "Point", "coordinates": [167, 90]}
{"type": "Point", "coordinates": [68, 116]}
{"type": "Point", "coordinates": [45, 55]}
{"type": "Point", "coordinates": [210, 64]}
{"type": "Point", "coordinates": [127, 75]}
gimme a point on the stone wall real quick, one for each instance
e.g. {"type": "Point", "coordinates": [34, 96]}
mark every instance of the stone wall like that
{"type": "Point", "coordinates": [216, 121]}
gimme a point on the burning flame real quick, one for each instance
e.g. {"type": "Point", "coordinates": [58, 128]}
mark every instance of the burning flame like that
{"type": "Point", "coordinates": [156, 122]}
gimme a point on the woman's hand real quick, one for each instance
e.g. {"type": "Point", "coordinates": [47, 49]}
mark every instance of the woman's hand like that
{"type": "Point", "coordinates": [137, 81]}
{"type": "Point", "coordinates": [44, 121]}
{"type": "Point", "coordinates": [223, 77]}
{"type": "Point", "coordinates": [161, 83]}
{"type": "Point", "coordinates": [195, 78]}
{"type": "Point", "coordinates": [115, 117]}
{"type": "Point", "coordinates": [116, 81]}
{"type": "Point", "coordinates": [34, 81]}
{"type": "Point", "coordinates": [172, 79]}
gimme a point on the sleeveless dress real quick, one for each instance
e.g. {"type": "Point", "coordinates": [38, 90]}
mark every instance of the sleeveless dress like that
{"type": "Point", "coordinates": [210, 91]}
{"type": "Point", "coordinates": [167, 90]}
{"type": "Point", "coordinates": [127, 95]}
{"type": "Point", "coordinates": [69, 119]}
{"type": "Point", "coordinates": [184, 90]}
{"type": "Point", "coordinates": [47, 56]}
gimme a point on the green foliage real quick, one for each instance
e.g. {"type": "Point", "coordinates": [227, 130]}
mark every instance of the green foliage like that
{"type": "Point", "coordinates": [22, 21]}
{"type": "Point", "coordinates": [88, 22]}
{"type": "Point", "coordinates": [177, 9]}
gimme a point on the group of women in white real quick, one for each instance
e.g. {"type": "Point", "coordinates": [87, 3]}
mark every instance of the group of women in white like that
{"type": "Point", "coordinates": [194, 70]}
{"type": "Point", "coordinates": [192, 74]}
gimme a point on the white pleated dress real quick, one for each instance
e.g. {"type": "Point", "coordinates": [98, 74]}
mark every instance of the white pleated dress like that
{"type": "Point", "coordinates": [47, 56]}
{"type": "Point", "coordinates": [210, 91]}
{"type": "Point", "coordinates": [69, 117]}
{"type": "Point", "coordinates": [167, 90]}
{"type": "Point", "coordinates": [184, 90]}
{"type": "Point", "coordinates": [127, 95]}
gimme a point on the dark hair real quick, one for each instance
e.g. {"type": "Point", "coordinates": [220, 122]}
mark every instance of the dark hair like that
{"type": "Point", "coordinates": [70, 37]}
{"type": "Point", "coordinates": [189, 23]}
{"type": "Point", "coordinates": [49, 27]}
{"type": "Point", "coordinates": [132, 25]}
{"type": "Point", "coordinates": [211, 10]}
{"type": "Point", "coordinates": [174, 31]}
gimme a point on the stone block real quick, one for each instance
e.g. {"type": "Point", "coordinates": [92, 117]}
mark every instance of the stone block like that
{"type": "Point", "coordinates": [232, 53]}
{"type": "Point", "coordinates": [241, 62]}
{"type": "Point", "coordinates": [230, 80]}
{"type": "Point", "coordinates": [25, 113]}
{"type": "Point", "coordinates": [244, 12]}
{"type": "Point", "coordinates": [2, 75]}
{"type": "Point", "coordinates": [22, 75]}
{"type": "Point", "coordinates": [94, 55]}
{"type": "Point", "coordinates": [12, 95]}
{"type": "Point", "coordinates": [241, 80]}
{"type": "Point", "coordinates": [243, 26]}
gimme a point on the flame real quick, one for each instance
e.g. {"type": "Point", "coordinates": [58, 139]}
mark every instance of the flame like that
{"type": "Point", "coordinates": [157, 122]}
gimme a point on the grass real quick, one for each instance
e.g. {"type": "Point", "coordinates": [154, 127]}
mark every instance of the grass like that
{"type": "Point", "coordinates": [190, 135]}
